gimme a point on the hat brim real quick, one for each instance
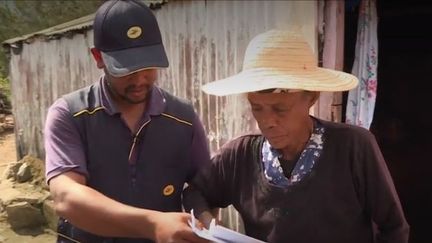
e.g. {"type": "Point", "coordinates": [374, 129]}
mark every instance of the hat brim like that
{"type": "Point", "coordinates": [124, 62]}
{"type": "Point", "coordinates": [252, 80]}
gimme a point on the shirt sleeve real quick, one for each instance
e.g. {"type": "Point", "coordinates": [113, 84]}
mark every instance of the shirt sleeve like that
{"type": "Point", "coordinates": [378, 193]}
{"type": "Point", "coordinates": [64, 149]}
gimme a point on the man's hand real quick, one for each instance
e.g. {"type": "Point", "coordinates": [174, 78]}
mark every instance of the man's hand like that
{"type": "Point", "coordinates": [173, 227]}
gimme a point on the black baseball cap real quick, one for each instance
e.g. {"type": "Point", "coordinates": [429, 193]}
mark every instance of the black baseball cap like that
{"type": "Point", "coordinates": [128, 35]}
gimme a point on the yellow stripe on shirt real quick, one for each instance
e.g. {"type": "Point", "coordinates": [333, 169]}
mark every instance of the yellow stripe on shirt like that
{"type": "Point", "coordinates": [177, 119]}
{"type": "Point", "coordinates": [88, 112]}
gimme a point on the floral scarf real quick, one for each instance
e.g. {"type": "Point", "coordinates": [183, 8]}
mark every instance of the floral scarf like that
{"type": "Point", "coordinates": [308, 158]}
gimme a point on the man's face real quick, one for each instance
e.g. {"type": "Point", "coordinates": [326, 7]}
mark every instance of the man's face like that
{"type": "Point", "coordinates": [133, 88]}
{"type": "Point", "coordinates": [281, 117]}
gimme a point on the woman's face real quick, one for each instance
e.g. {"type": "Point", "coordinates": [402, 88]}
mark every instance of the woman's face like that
{"type": "Point", "coordinates": [282, 117]}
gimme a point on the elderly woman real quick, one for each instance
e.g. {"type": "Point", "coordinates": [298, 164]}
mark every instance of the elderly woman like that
{"type": "Point", "coordinates": [302, 179]}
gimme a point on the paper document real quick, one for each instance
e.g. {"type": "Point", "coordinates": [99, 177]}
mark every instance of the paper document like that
{"type": "Point", "coordinates": [220, 234]}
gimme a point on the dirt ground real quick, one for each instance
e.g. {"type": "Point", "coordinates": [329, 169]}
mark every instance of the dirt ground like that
{"type": "Point", "coordinates": [7, 235]}
{"type": "Point", "coordinates": [7, 149]}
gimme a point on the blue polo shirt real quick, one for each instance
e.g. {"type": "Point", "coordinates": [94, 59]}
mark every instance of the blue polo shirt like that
{"type": "Point", "coordinates": [85, 133]}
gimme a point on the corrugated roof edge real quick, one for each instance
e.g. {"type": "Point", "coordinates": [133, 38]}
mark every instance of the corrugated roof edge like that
{"type": "Point", "coordinates": [76, 24]}
{"type": "Point", "coordinates": [82, 23]}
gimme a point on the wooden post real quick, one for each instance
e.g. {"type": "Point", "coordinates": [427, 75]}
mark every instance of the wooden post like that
{"type": "Point", "coordinates": [329, 106]}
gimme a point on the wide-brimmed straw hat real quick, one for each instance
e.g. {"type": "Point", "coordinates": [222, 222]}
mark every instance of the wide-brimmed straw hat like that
{"type": "Point", "coordinates": [280, 59]}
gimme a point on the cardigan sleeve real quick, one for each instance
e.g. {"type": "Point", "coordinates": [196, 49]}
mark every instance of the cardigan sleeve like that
{"type": "Point", "coordinates": [377, 191]}
{"type": "Point", "coordinates": [214, 185]}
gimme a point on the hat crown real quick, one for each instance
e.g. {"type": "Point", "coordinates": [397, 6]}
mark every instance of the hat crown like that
{"type": "Point", "coordinates": [279, 50]}
{"type": "Point", "coordinates": [124, 24]}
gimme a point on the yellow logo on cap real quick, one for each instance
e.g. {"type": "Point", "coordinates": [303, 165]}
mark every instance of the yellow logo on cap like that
{"type": "Point", "coordinates": [168, 190]}
{"type": "Point", "coordinates": [134, 32]}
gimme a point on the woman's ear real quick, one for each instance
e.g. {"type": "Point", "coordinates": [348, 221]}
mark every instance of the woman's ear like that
{"type": "Point", "coordinates": [97, 55]}
{"type": "Point", "coordinates": [313, 95]}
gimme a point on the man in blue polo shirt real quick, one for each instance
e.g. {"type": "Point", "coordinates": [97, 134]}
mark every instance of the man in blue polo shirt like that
{"type": "Point", "coordinates": [119, 152]}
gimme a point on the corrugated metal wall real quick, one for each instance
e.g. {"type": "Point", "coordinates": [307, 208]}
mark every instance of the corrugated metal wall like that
{"type": "Point", "coordinates": [42, 72]}
{"type": "Point", "coordinates": [205, 41]}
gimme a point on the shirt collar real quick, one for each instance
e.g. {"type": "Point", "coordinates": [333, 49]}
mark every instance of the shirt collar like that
{"type": "Point", "coordinates": [155, 106]}
{"type": "Point", "coordinates": [157, 102]}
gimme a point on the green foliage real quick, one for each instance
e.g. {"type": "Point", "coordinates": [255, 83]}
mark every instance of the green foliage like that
{"type": "Point", "coordinates": [3, 65]}
{"type": "Point", "coordinates": [4, 85]}
{"type": "Point", "coordinates": [4, 93]}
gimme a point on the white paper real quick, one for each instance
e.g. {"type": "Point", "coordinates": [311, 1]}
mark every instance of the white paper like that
{"type": "Point", "coordinates": [220, 234]}
{"type": "Point", "coordinates": [203, 233]}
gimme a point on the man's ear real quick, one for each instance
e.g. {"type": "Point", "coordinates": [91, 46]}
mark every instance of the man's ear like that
{"type": "Point", "coordinates": [97, 55]}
